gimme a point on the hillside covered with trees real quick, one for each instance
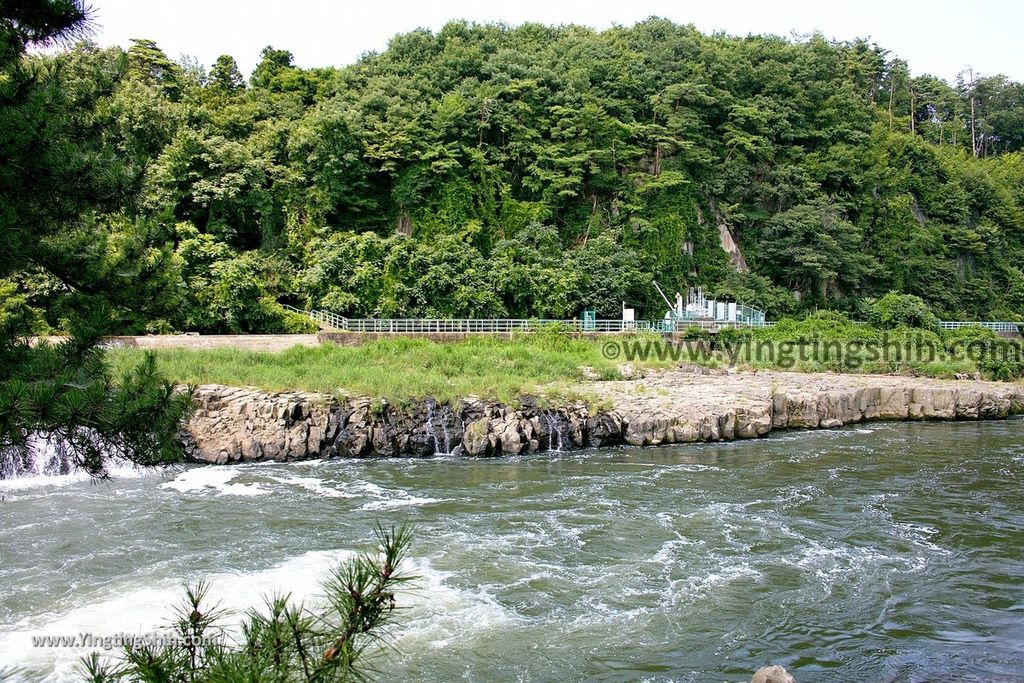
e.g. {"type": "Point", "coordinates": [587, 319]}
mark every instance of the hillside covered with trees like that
{"type": "Point", "coordinates": [488, 171]}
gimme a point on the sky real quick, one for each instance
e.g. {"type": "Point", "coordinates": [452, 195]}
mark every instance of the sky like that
{"type": "Point", "coordinates": [940, 37]}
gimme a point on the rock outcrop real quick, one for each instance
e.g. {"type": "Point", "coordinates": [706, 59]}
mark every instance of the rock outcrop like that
{"type": "Point", "coordinates": [232, 424]}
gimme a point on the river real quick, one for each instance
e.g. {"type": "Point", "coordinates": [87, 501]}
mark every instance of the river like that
{"type": "Point", "coordinates": [887, 552]}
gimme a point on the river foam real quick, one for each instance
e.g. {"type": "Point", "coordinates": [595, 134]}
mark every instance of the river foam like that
{"type": "Point", "coordinates": [136, 608]}
{"type": "Point", "coordinates": [217, 478]}
{"type": "Point", "coordinates": [116, 470]}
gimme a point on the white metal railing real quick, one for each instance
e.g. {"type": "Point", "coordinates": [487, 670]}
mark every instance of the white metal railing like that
{"type": "Point", "coordinates": [328, 319]}
{"type": "Point", "coordinates": [489, 325]}
{"type": "Point", "coordinates": [332, 321]}
{"type": "Point", "coordinates": [323, 319]}
{"type": "Point", "coordinates": [995, 326]}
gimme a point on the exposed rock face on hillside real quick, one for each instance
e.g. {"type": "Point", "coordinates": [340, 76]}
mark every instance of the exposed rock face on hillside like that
{"type": "Point", "coordinates": [232, 424]}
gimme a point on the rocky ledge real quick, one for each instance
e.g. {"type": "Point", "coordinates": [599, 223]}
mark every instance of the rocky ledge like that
{"type": "Point", "coordinates": [683, 405]}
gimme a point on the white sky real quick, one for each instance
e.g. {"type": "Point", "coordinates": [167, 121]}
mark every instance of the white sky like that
{"type": "Point", "coordinates": [940, 37]}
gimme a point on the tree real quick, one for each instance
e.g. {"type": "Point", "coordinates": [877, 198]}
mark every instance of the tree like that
{"type": "Point", "coordinates": [225, 76]}
{"type": "Point", "coordinates": [337, 188]}
{"type": "Point", "coordinates": [218, 184]}
{"type": "Point", "coordinates": [611, 276]}
{"type": "Point", "coordinates": [894, 310]}
{"type": "Point", "coordinates": [149, 64]}
{"type": "Point", "coordinates": [54, 174]}
{"type": "Point", "coordinates": [275, 73]}
{"type": "Point", "coordinates": [814, 250]}
{"type": "Point", "coordinates": [532, 275]}
{"type": "Point", "coordinates": [29, 22]}
{"type": "Point", "coordinates": [272, 62]}
{"type": "Point", "coordinates": [642, 150]}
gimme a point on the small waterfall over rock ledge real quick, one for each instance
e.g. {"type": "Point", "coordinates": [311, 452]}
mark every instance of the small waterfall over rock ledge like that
{"type": "Point", "coordinates": [559, 438]}
{"type": "Point", "coordinates": [41, 457]}
{"type": "Point", "coordinates": [445, 428]}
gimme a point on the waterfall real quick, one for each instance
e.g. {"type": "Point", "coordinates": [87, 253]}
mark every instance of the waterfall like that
{"type": "Point", "coordinates": [462, 426]}
{"type": "Point", "coordinates": [553, 434]}
{"type": "Point", "coordinates": [444, 430]}
{"type": "Point", "coordinates": [40, 458]}
{"type": "Point", "coordinates": [446, 438]}
{"type": "Point", "coordinates": [430, 426]}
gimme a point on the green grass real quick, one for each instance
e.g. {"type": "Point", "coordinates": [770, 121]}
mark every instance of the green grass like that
{"type": "Point", "coordinates": [399, 369]}
{"type": "Point", "coordinates": [547, 365]}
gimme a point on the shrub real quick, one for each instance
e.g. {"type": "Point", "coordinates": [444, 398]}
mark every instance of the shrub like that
{"type": "Point", "coordinates": [895, 310]}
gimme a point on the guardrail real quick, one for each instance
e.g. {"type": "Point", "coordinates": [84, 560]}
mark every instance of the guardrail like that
{"type": "Point", "coordinates": [995, 326]}
{"type": "Point", "coordinates": [323, 319]}
{"type": "Point", "coordinates": [489, 325]}
{"type": "Point", "coordinates": [332, 321]}
{"type": "Point", "coordinates": [498, 325]}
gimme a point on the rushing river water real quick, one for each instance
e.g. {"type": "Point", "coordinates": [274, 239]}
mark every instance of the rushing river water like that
{"type": "Point", "coordinates": [893, 552]}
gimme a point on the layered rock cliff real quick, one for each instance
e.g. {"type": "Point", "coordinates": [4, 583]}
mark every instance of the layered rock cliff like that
{"type": "Point", "coordinates": [232, 424]}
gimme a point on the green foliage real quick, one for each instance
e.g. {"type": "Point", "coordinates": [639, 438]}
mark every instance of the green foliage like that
{"type": "Point", "coordinates": [64, 243]}
{"type": "Point", "coordinates": [756, 291]}
{"type": "Point", "coordinates": [149, 64]}
{"type": "Point", "coordinates": [895, 310]}
{"type": "Point", "coordinates": [830, 341]}
{"type": "Point", "coordinates": [821, 325]}
{"type": "Point", "coordinates": [812, 249]}
{"type": "Point", "coordinates": [27, 22]}
{"type": "Point", "coordinates": [528, 171]}
{"type": "Point", "coordinates": [996, 358]}
{"type": "Point", "coordinates": [371, 276]}
{"type": "Point", "coordinates": [283, 641]}
{"type": "Point", "coordinates": [68, 396]}
{"type": "Point", "coordinates": [225, 76]}
{"type": "Point", "coordinates": [13, 310]}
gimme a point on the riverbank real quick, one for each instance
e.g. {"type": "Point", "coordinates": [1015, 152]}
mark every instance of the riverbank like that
{"type": "Point", "coordinates": [678, 405]}
{"type": "Point", "coordinates": [553, 363]}
{"type": "Point", "coordinates": [400, 369]}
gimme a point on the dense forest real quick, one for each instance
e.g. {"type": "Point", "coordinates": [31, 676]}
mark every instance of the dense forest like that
{"type": "Point", "coordinates": [489, 171]}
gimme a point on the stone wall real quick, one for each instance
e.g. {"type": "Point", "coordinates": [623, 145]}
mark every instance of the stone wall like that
{"type": "Point", "coordinates": [232, 424]}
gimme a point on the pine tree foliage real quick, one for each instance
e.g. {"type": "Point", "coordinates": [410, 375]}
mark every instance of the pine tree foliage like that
{"type": "Point", "coordinates": [283, 641]}
{"type": "Point", "coordinates": [60, 406]}
{"type": "Point", "coordinates": [60, 402]}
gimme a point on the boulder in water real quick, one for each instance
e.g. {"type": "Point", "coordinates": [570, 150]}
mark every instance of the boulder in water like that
{"type": "Point", "coordinates": [772, 674]}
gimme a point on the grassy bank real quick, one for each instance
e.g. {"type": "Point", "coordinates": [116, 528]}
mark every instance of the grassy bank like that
{"type": "Point", "coordinates": [550, 364]}
{"type": "Point", "coordinates": [400, 368]}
